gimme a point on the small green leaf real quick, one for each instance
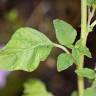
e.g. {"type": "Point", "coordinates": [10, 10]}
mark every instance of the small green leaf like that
{"type": "Point", "coordinates": [90, 92]}
{"type": "Point", "coordinates": [86, 51]}
{"type": "Point", "coordinates": [64, 61]}
{"type": "Point", "coordinates": [76, 54]}
{"type": "Point", "coordinates": [25, 50]}
{"type": "Point", "coordinates": [89, 28]}
{"type": "Point", "coordinates": [79, 50]}
{"type": "Point", "coordinates": [65, 33]}
{"type": "Point", "coordinates": [12, 15]}
{"type": "Point", "coordinates": [83, 49]}
{"type": "Point", "coordinates": [74, 93]}
{"type": "Point", "coordinates": [35, 87]}
{"type": "Point", "coordinates": [86, 72]}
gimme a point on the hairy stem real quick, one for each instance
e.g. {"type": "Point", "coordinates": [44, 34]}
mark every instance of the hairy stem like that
{"type": "Point", "coordinates": [84, 34]}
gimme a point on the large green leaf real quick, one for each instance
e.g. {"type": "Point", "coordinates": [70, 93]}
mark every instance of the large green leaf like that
{"type": "Point", "coordinates": [35, 88]}
{"type": "Point", "coordinates": [25, 50]}
{"type": "Point", "coordinates": [86, 72]}
{"type": "Point", "coordinates": [64, 61]}
{"type": "Point", "coordinates": [65, 33]}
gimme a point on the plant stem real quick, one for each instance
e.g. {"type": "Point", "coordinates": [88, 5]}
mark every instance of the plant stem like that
{"type": "Point", "coordinates": [91, 14]}
{"type": "Point", "coordinates": [61, 47]}
{"type": "Point", "coordinates": [93, 24]}
{"type": "Point", "coordinates": [84, 34]}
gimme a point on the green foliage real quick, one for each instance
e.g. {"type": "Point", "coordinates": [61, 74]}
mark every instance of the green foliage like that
{"type": "Point", "coordinates": [90, 92]}
{"type": "Point", "coordinates": [28, 47]}
{"type": "Point", "coordinates": [65, 33]}
{"type": "Point", "coordinates": [64, 61]}
{"type": "Point", "coordinates": [79, 50]}
{"type": "Point", "coordinates": [86, 72]}
{"type": "Point", "coordinates": [74, 93]}
{"type": "Point", "coordinates": [94, 83]}
{"type": "Point", "coordinates": [89, 29]}
{"type": "Point", "coordinates": [91, 2]}
{"type": "Point", "coordinates": [82, 49]}
{"type": "Point", "coordinates": [76, 54]}
{"type": "Point", "coordinates": [12, 15]}
{"type": "Point", "coordinates": [25, 50]}
{"type": "Point", "coordinates": [35, 88]}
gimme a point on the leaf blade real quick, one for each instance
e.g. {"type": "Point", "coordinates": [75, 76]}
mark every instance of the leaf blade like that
{"type": "Point", "coordinates": [64, 61]}
{"type": "Point", "coordinates": [89, 92]}
{"type": "Point", "coordinates": [86, 72]}
{"type": "Point", "coordinates": [26, 47]}
{"type": "Point", "coordinates": [31, 88]}
{"type": "Point", "coordinates": [65, 33]}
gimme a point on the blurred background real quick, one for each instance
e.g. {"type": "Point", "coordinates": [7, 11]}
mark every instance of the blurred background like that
{"type": "Point", "coordinates": [40, 14]}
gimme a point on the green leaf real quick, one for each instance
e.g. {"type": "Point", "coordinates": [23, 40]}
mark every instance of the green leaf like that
{"type": "Point", "coordinates": [83, 49]}
{"type": "Point", "coordinates": [64, 61]}
{"type": "Point", "coordinates": [90, 92]}
{"type": "Point", "coordinates": [91, 2]}
{"type": "Point", "coordinates": [79, 50]}
{"type": "Point", "coordinates": [25, 50]}
{"type": "Point", "coordinates": [89, 28]}
{"type": "Point", "coordinates": [12, 15]}
{"type": "Point", "coordinates": [65, 33]}
{"type": "Point", "coordinates": [76, 55]}
{"type": "Point", "coordinates": [74, 93]}
{"type": "Point", "coordinates": [94, 83]}
{"type": "Point", "coordinates": [35, 88]}
{"type": "Point", "coordinates": [86, 72]}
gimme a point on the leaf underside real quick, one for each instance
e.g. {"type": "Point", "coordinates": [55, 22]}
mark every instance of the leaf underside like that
{"type": "Point", "coordinates": [25, 50]}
